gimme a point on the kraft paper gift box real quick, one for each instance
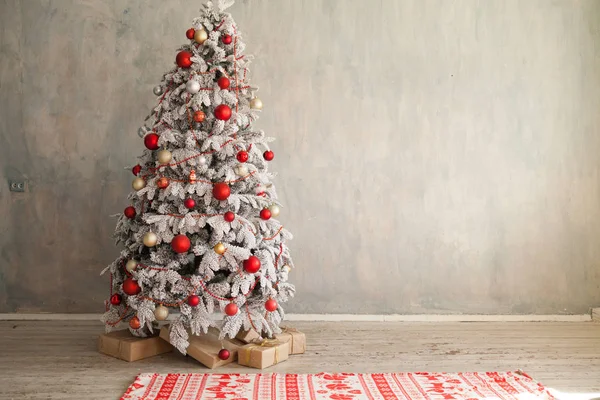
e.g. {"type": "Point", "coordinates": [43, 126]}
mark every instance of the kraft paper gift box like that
{"type": "Point", "coordinates": [205, 348]}
{"type": "Point", "coordinates": [295, 338]}
{"type": "Point", "coordinates": [263, 354]}
{"type": "Point", "coordinates": [123, 345]}
{"type": "Point", "coordinates": [248, 336]}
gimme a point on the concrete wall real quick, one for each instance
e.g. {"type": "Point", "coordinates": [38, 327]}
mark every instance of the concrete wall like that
{"type": "Point", "coordinates": [434, 156]}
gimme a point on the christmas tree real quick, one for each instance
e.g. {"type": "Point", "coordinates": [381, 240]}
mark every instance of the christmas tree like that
{"type": "Point", "coordinates": [200, 236]}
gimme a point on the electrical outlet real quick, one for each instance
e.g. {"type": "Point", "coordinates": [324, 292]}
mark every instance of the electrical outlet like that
{"type": "Point", "coordinates": [16, 186]}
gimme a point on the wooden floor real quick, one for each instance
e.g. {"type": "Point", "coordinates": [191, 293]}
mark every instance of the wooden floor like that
{"type": "Point", "coordinates": [58, 360]}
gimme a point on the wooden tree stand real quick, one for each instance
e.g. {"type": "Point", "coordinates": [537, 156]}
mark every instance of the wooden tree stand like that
{"type": "Point", "coordinates": [124, 346]}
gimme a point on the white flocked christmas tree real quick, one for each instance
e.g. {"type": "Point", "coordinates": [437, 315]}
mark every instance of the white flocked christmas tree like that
{"type": "Point", "coordinates": [202, 244]}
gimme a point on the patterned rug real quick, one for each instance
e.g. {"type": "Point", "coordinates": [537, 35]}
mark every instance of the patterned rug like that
{"type": "Point", "coordinates": [419, 385]}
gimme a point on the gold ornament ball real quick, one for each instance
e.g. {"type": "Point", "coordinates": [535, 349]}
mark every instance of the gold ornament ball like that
{"type": "Point", "coordinates": [219, 248]}
{"type": "Point", "coordinates": [164, 156]}
{"type": "Point", "coordinates": [150, 239]}
{"type": "Point", "coordinates": [256, 103]}
{"type": "Point", "coordinates": [200, 36]}
{"type": "Point", "coordinates": [131, 265]}
{"type": "Point", "coordinates": [274, 210]}
{"type": "Point", "coordinates": [138, 184]}
{"type": "Point", "coordinates": [286, 268]}
{"type": "Point", "coordinates": [161, 313]}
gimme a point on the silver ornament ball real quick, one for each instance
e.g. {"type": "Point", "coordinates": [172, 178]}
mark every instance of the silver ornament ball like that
{"type": "Point", "coordinates": [192, 86]}
{"type": "Point", "coordinates": [202, 160]}
{"type": "Point", "coordinates": [158, 90]}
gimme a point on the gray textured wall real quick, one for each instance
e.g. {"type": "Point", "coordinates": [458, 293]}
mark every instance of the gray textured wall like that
{"type": "Point", "coordinates": [434, 156]}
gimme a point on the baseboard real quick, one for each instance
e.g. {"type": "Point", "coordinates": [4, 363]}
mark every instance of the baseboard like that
{"type": "Point", "coordinates": [347, 317]}
{"type": "Point", "coordinates": [596, 314]}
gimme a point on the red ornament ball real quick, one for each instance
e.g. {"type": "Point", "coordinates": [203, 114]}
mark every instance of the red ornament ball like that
{"type": "Point", "coordinates": [136, 170]}
{"type": "Point", "coordinates": [193, 300]}
{"type": "Point", "coordinates": [224, 354]}
{"type": "Point", "coordinates": [231, 309]}
{"type": "Point", "coordinates": [199, 116]}
{"type": "Point", "coordinates": [252, 264]}
{"type": "Point", "coordinates": [189, 203]}
{"type": "Point", "coordinates": [271, 305]}
{"type": "Point", "coordinates": [242, 156]}
{"type": "Point", "coordinates": [265, 214]}
{"type": "Point", "coordinates": [221, 191]}
{"type": "Point", "coordinates": [129, 212]}
{"type": "Point", "coordinates": [180, 244]}
{"type": "Point", "coordinates": [135, 323]}
{"type": "Point", "coordinates": [184, 59]}
{"type": "Point", "coordinates": [151, 141]}
{"type": "Point", "coordinates": [223, 82]}
{"type": "Point", "coordinates": [131, 287]}
{"type": "Point", "coordinates": [162, 183]}
{"type": "Point", "coordinates": [268, 155]}
{"type": "Point", "coordinates": [222, 112]}
{"type": "Point", "coordinates": [227, 39]}
{"type": "Point", "coordinates": [229, 216]}
{"type": "Point", "coordinates": [115, 299]}
{"type": "Point", "coordinates": [190, 33]}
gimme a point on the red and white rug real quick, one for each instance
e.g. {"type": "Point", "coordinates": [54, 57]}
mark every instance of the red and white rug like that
{"type": "Point", "coordinates": [419, 385]}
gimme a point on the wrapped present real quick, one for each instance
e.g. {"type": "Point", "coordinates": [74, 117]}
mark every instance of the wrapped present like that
{"type": "Point", "coordinates": [205, 348]}
{"type": "Point", "coordinates": [123, 345]}
{"type": "Point", "coordinates": [263, 354]}
{"type": "Point", "coordinates": [295, 338]}
{"type": "Point", "coordinates": [249, 336]}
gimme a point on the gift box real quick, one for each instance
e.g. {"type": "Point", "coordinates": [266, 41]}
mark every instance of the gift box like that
{"type": "Point", "coordinates": [249, 336]}
{"type": "Point", "coordinates": [295, 339]}
{"type": "Point", "coordinates": [205, 347]}
{"type": "Point", "coordinates": [124, 346]}
{"type": "Point", "coordinates": [263, 354]}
